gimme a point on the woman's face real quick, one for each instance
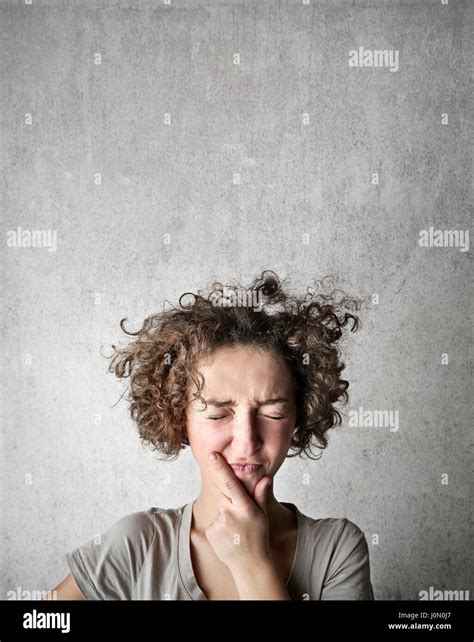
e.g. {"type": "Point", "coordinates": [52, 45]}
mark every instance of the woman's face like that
{"type": "Point", "coordinates": [250, 415]}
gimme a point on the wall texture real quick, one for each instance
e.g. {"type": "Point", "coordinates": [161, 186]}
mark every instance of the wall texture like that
{"type": "Point", "coordinates": [257, 135]}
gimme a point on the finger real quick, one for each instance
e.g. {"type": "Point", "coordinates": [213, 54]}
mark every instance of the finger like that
{"type": "Point", "coordinates": [225, 479]}
{"type": "Point", "coordinates": [260, 493]}
{"type": "Point", "coordinates": [223, 502]}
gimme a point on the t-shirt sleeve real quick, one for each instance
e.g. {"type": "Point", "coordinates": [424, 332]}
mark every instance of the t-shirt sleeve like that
{"type": "Point", "coordinates": [108, 566]}
{"type": "Point", "coordinates": [348, 574]}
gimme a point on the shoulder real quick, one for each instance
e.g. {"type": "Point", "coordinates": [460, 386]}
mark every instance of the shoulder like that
{"type": "Point", "coordinates": [340, 553]}
{"type": "Point", "coordinates": [140, 522]}
{"type": "Point", "coordinates": [128, 537]}
{"type": "Point", "coordinates": [108, 566]}
{"type": "Point", "coordinates": [340, 538]}
{"type": "Point", "coordinates": [336, 542]}
{"type": "Point", "coordinates": [133, 531]}
{"type": "Point", "coordinates": [347, 531]}
{"type": "Point", "coordinates": [337, 531]}
{"type": "Point", "coordinates": [145, 525]}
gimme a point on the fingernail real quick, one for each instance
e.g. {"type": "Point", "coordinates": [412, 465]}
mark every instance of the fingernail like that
{"type": "Point", "coordinates": [213, 457]}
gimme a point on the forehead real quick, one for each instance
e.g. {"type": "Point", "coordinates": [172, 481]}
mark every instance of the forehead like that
{"type": "Point", "coordinates": [247, 372]}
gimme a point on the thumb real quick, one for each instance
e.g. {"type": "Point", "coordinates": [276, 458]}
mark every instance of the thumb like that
{"type": "Point", "coordinates": [260, 493]}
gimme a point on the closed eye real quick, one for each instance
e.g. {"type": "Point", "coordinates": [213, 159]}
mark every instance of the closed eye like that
{"type": "Point", "coordinates": [224, 416]}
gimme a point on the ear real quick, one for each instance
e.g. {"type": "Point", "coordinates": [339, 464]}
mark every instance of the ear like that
{"type": "Point", "coordinates": [260, 493]}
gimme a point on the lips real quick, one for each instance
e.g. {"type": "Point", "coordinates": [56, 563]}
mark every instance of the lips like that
{"type": "Point", "coordinates": [245, 468]}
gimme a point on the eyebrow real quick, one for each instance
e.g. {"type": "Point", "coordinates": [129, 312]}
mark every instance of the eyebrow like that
{"type": "Point", "coordinates": [230, 402]}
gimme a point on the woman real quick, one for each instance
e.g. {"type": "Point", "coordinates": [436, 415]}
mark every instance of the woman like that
{"type": "Point", "coordinates": [244, 376]}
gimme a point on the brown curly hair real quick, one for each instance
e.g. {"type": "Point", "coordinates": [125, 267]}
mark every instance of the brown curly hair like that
{"type": "Point", "coordinates": [162, 359]}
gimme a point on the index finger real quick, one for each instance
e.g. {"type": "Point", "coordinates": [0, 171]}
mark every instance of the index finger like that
{"type": "Point", "coordinates": [224, 478]}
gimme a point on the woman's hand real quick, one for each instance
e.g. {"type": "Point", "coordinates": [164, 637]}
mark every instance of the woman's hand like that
{"type": "Point", "coordinates": [239, 536]}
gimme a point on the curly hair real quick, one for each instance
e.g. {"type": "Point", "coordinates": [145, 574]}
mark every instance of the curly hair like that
{"type": "Point", "coordinates": [161, 361]}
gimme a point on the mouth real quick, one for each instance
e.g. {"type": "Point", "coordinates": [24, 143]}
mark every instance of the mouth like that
{"type": "Point", "coordinates": [245, 469]}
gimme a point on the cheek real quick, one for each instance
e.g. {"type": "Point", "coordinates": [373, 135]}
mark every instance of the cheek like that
{"type": "Point", "coordinates": [276, 436]}
{"type": "Point", "coordinates": [204, 438]}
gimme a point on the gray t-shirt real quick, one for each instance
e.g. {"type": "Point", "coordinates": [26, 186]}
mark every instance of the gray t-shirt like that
{"type": "Point", "coordinates": [146, 556]}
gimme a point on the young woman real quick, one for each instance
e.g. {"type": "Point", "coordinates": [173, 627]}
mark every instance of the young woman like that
{"type": "Point", "coordinates": [244, 376]}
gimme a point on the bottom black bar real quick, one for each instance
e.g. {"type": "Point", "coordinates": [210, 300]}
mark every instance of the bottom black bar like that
{"type": "Point", "coordinates": [244, 621]}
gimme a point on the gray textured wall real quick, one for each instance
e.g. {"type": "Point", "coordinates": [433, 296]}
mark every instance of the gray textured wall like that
{"type": "Point", "coordinates": [292, 160]}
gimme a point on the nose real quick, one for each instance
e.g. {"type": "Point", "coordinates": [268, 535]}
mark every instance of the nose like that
{"type": "Point", "coordinates": [245, 434]}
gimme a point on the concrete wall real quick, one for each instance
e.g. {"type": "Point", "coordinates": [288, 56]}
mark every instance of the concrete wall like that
{"type": "Point", "coordinates": [290, 158]}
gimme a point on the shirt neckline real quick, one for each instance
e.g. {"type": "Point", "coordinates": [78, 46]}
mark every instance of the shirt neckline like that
{"type": "Point", "coordinates": [184, 563]}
